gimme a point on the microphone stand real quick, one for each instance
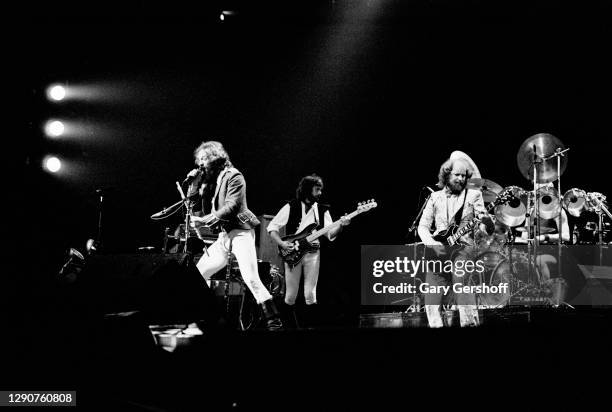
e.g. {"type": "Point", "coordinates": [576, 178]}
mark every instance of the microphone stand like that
{"type": "Point", "coordinates": [188, 211]}
{"type": "Point", "coordinates": [416, 307]}
{"type": "Point", "coordinates": [187, 214]}
{"type": "Point", "coordinates": [413, 227]}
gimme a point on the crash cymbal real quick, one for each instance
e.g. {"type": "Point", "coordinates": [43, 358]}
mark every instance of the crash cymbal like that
{"type": "Point", "coordinates": [489, 188]}
{"type": "Point", "coordinates": [544, 145]}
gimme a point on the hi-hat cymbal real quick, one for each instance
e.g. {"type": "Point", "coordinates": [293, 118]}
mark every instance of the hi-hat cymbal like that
{"type": "Point", "coordinates": [489, 188]}
{"type": "Point", "coordinates": [544, 145]}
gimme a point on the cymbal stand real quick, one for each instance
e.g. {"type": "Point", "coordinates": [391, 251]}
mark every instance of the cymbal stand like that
{"type": "Point", "coordinates": [558, 154]}
{"type": "Point", "coordinates": [532, 238]}
{"type": "Point", "coordinates": [600, 233]}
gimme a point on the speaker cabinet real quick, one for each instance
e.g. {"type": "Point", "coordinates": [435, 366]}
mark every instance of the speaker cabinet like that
{"type": "Point", "coordinates": [266, 247]}
{"type": "Point", "coordinates": [164, 287]}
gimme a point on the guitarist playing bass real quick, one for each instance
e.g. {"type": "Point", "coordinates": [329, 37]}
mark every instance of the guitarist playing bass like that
{"type": "Point", "coordinates": [452, 204]}
{"type": "Point", "coordinates": [295, 216]}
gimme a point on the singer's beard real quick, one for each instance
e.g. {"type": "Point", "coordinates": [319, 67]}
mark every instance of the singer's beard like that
{"type": "Point", "coordinates": [457, 187]}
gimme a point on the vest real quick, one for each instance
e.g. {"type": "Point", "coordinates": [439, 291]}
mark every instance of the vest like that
{"type": "Point", "coordinates": [295, 215]}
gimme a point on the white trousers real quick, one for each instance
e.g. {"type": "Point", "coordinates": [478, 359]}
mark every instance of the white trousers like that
{"type": "Point", "coordinates": [242, 243]}
{"type": "Point", "coordinates": [309, 266]}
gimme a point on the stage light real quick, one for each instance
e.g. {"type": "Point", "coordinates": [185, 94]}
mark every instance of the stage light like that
{"type": "Point", "coordinates": [52, 164]}
{"type": "Point", "coordinates": [54, 128]}
{"type": "Point", "coordinates": [226, 14]}
{"type": "Point", "coordinates": [56, 92]}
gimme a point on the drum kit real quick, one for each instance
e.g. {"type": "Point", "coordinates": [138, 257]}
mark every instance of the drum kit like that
{"type": "Point", "coordinates": [542, 159]}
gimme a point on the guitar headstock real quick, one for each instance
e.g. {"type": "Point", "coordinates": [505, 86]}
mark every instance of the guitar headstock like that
{"type": "Point", "coordinates": [367, 205]}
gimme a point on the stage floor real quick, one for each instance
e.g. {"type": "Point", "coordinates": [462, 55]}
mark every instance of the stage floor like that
{"type": "Point", "coordinates": [114, 363]}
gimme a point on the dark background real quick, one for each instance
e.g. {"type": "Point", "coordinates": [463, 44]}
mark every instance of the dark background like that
{"type": "Point", "coordinates": [371, 95]}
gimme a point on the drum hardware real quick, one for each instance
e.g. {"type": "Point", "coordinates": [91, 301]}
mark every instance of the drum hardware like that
{"type": "Point", "coordinates": [543, 230]}
{"type": "Point", "coordinates": [577, 201]}
{"type": "Point", "coordinates": [535, 162]}
{"type": "Point", "coordinates": [597, 202]}
{"type": "Point", "coordinates": [490, 190]}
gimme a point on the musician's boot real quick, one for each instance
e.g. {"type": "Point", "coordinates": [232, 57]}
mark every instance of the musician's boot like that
{"type": "Point", "coordinates": [310, 316]}
{"type": "Point", "coordinates": [271, 317]}
{"type": "Point", "coordinates": [289, 316]}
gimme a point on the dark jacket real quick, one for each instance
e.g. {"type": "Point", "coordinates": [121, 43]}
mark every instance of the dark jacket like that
{"type": "Point", "coordinates": [229, 201]}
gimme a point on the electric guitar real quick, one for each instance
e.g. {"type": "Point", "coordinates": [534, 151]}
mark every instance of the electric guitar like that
{"type": "Point", "coordinates": [302, 241]}
{"type": "Point", "coordinates": [454, 232]}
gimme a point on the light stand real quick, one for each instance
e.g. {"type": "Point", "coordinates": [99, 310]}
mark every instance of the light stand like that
{"type": "Point", "coordinates": [100, 193]}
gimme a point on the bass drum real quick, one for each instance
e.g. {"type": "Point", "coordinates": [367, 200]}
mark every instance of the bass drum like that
{"type": "Point", "coordinates": [497, 272]}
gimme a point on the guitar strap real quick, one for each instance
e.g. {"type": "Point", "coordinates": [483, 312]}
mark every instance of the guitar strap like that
{"type": "Point", "coordinates": [457, 217]}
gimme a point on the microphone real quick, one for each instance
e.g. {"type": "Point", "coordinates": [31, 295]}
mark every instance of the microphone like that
{"type": "Point", "coordinates": [158, 214]}
{"type": "Point", "coordinates": [192, 175]}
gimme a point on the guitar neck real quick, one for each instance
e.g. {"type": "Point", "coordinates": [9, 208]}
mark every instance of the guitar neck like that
{"type": "Point", "coordinates": [315, 235]}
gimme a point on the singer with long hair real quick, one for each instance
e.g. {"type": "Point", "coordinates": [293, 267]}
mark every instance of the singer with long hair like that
{"type": "Point", "coordinates": [221, 190]}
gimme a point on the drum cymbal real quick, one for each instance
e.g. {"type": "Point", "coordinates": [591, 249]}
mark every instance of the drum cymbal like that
{"type": "Point", "coordinates": [545, 145]}
{"type": "Point", "coordinates": [489, 188]}
{"type": "Point", "coordinates": [543, 230]}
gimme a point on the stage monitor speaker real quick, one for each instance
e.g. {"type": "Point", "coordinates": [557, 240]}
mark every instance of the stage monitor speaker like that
{"type": "Point", "coordinates": [267, 249]}
{"type": "Point", "coordinates": [164, 287]}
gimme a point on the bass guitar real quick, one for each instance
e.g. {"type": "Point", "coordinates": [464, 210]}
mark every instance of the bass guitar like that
{"type": "Point", "coordinates": [302, 241]}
